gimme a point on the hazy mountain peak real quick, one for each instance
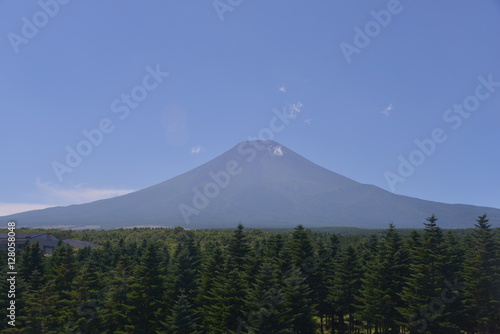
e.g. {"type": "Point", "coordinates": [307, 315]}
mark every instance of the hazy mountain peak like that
{"type": "Point", "coordinates": [261, 184]}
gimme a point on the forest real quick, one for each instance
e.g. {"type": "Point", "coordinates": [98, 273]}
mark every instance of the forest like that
{"type": "Point", "coordinates": [181, 281]}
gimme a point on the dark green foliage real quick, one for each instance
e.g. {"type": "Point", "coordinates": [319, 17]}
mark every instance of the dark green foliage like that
{"type": "Point", "coordinates": [183, 318]}
{"type": "Point", "coordinates": [265, 305]}
{"type": "Point", "coordinates": [482, 280]}
{"type": "Point", "coordinates": [147, 291]}
{"type": "Point", "coordinates": [383, 283]}
{"type": "Point", "coordinates": [430, 292]}
{"type": "Point", "coordinates": [298, 299]}
{"type": "Point", "coordinates": [118, 306]}
{"type": "Point", "coordinates": [87, 294]}
{"type": "Point", "coordinates": [253, 281]}
{"type": "Point", "coordinates": [344, 287]}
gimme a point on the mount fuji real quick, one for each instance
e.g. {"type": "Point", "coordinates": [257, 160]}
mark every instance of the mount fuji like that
{"type": "Point", "coordinates": [260, 184]}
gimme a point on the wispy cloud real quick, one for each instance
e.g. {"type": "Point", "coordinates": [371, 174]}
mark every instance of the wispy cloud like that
{"type": "Point", "coordinates": [11, 208]}
{"type": "Point", "coordinates": [308, 121]}
{"type": "Point", "coordinates": [282, 89]}
{"type": "Point", "coordinates": [294, 109]}
{"type": "Point", "coordinates": [387, 110]}
{"type": "Point", "coordinates": [56, 195]}
{"type": "Point", "coordinates": [197, 149]}
{"type": "Point", "coordinates": [77, 194]}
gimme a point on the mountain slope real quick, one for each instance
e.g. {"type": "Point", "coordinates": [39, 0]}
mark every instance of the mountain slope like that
{"type": "Point", "coordinates": [261, 184]}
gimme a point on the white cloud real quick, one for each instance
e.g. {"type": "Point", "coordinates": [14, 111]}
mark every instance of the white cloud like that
{"type": "Point", "coordinates": [308, 121]}
{"type": "Point", "coordinates": [387, 111]}
{"type": "Point", "coordinates": [197, 149]}
{"type": "Point", "coordinates": [56, 195]}
{"type": "Point", "coordinates": [294, 109]}
{"type": "Point", "coordinates": [11, 208]}
{"type": "Point", "coordinates": [77, 194]}
{"type": "Point", "coordinates": [282, 89]}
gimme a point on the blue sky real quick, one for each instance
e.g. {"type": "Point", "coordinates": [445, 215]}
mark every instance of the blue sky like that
{"type": "Point", "coordinates": [365, 81]}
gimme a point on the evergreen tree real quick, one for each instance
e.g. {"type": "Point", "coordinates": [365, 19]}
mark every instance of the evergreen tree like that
{"type": "Point", "coordinates": [382, 284]}
{"type": "Point", "coordinates": [184, 272]}
{"type": "Point", "coordinates": [118, 307]}
{"type": "Point", "coordinates": [31, 260]}
{"type": "Point", "coordinates": [326, 265]}
{"type": "Point", "coordinates": [147, 292]}
{"type": "Point", "coordinates": [482, 280]}
{"type": "Point", "coordinates": [428, 293]}
{"type": "Point", "coordinates": [58, 303]}
{"type": "Point", "coordinates": [183, 318]}
{"type": "Point", "coordinates": [298, 300]}
{"type": "Point", "coordinates": [239, 249]}
{"type": "Point", "coordinates": [301, 248]}
{"type": "Point", "coordinates": [265, 308]}
{"type": "Point", "coordinates": [224, 307]}
{"type": "Point", "coordinates": [87, 293]}
{"type": "Point", "coordinates": [344, 286]}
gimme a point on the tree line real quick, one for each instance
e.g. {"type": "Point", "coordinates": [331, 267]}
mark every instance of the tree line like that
{"type": "Point", "coordinates": [217, 281]}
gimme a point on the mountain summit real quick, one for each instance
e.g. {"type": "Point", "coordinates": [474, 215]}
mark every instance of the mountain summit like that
{"type": "Point", "coordinates": [261, 184]}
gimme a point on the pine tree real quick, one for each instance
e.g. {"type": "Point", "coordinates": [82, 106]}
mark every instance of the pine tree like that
{"type": "Point", "coordinates": [382, 283]}
{"type": "Point", "coordinates": [224, 303]}
{"type": "Point", "coordinates": [147, 292]}
{"type": "Point", "coordinates": [184, 273]}
{"type": "Point", "coordinates": [344, 286]}
{"type": "Point", "coordinates": [482, 280]}
{"type": "Point", "coordinates": [87, 292]}
{"type": "Point", "coordinates": [298, 299]}
{"type": "Point", "coordinates": [183, 318]}
{"type": "Point", "coordinates": [428, 293]}
{"type": "Point", "coordinates": [303, 257]}
{"type": "Point", "coordinates": [239, 249]}
{"type": "Point", "coordinates": [31, 260]}
{"type": "Point", "coordinates": [59, 302]}
{"type": "Point", "coordinates": [118, 307]}
{"type": "Point", "coordinates": [265, 308]}
{"type": "Point", "coordinates": [224, 307]}
{"type": "Point", "coordinates": [301, 248]}
{"type": "Point", "coordinates": [326, 265]}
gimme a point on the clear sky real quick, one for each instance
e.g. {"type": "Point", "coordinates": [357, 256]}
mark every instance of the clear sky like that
{"type": "Point", "coordinates": [364, 79]}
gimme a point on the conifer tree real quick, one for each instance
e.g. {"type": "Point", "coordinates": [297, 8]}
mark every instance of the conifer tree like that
{"type": "Point", "coordinates": [59, 301]}
{"type": "Point", "coordinates": [118, 307]}
{"type": "Point", "coordinates": [382, 284]}
{"type": "Point", "coordinates": [184, 273]}
{"type": "Point", "coordinates": [87, 293]}
{"type": "Point", "coordinates": [344, 286]}
{"type": "Point", "coordinates": [299, 303]}
{"type": "Point", "coordinates": [265, 304]}
{"type": "Point", "coordinates": [239, 249]}
{"type": "Point", "coordinates": [482, 280]}
{"type": "Point", "coordinates": [225, 302]}
{"type": "Point", "coordinates": [428, 293]}
{"type": "Point", "coordinates": [147, 292]}
{"type": "Point", "coordinates": [326, 268]}
{"type": "Point", "coordinates": [301, 248]}
{"type": "Point", "coordinates": [31, 259]}
{"type": "Point", "coordinates": [183, 318]}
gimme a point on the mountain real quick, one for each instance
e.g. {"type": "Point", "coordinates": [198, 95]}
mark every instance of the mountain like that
{"type": "Point", "coordinates": [261, 184]}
